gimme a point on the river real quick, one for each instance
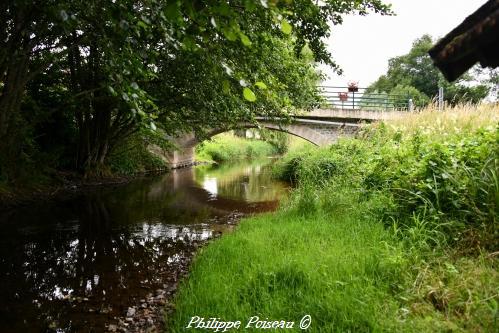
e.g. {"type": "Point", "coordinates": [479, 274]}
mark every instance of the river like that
{"type": "Point", "coordinates": [79, 264]}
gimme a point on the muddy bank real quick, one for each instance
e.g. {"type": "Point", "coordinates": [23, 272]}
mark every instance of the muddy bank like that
{"type": "Point", "coordinates": [147, 314]}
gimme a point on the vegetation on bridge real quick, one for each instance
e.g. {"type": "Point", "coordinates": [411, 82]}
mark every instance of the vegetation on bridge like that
{"type": "Point", "coordinates": [393, 231]}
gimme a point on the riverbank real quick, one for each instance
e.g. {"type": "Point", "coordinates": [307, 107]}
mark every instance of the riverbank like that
{"type": "Point", "coordinates": [63, 185]}
{"type": "Point", "coordinates": [395, 230]}
{"type": "Point", "coordinates": [132, 162]}
{"type": "Point", "coordinates": [227, 147]}
{"type": "Point", "coordinates": [48, 184]}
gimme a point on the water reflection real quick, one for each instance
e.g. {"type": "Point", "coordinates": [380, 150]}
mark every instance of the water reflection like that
{"type": "Point", "coordinates": [74, 265]}
{"type": "Point", "coordinates": [249, 181]}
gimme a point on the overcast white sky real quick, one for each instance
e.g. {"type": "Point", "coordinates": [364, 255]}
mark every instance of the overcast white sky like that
{"type": "Point", "coordinates": [362, 45]}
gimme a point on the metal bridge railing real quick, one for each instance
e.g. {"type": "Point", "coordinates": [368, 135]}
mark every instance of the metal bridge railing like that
{"type": "Point", "coordinates": [344, 98]}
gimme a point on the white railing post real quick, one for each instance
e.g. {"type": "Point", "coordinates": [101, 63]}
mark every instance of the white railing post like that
{"type": "Point", "coordinates": [440, 98]}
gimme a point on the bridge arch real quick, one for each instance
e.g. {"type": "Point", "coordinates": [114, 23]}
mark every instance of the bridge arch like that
{"type": "Point", "coordinates": [317, 132]}
{"type": "Point", "coordinates": [303, 132]}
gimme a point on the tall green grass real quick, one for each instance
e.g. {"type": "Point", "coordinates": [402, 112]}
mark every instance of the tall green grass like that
{"type": "Point", "coordinates": [392, 231]}
{"type": "Point", "coordinates": [340, 269]}
{"type": "Point", "coordinates": [227, 147]}
{"type": "Point", "coordinates": [438, 169]}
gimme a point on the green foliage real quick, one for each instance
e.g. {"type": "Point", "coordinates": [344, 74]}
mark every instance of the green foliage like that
{"type": "Point", "coordinates": [249, 95]}
{"type": "Point", "coordinates": [226, 147]}
{"type": "Point", "coordinates": [415, 73]}
{"type": "Point", "coordinates": [402, 93]}
{"type": "Point", "coordinates": [174, 65]}
{"type": "Point", "coordinates": [490, 78]}
{"type": "Point", "coordinates": [280, 140]}
{"type": "Point", "coordinates": [448, 179]}
{"type": "Point", "coordinates": [135, 155]}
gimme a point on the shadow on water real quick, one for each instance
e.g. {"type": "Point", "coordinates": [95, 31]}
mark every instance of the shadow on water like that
{"type": "Point", "coordinates": [73, 266]}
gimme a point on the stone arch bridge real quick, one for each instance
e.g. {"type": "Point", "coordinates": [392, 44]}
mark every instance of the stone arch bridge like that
{"type": "Point", "coordinates": [343, 111]}
{"type": "Point", "coordinates": [320, 127]}
{"type": "Point", "coordinates": [317, 132]}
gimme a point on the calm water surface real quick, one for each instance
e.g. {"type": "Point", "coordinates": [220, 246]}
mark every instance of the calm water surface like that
{"type": "Point", "coordinates": [73, 266]}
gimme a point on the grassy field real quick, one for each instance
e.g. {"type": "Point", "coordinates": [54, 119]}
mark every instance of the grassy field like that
{"type": "Point", "coordinates": [392, 231]}
{"type": "Point", "coordinates": [228, 147]}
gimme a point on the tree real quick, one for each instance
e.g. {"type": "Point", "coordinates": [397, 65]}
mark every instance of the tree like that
{"type": "Point", "coordinates": [415, 69]}
{"type": "Point", "coordinates": [488, 77]}
{"type": "Point", "coordinates": [402, 93]}
{"type": "Point", "coordinates": [180, 65]}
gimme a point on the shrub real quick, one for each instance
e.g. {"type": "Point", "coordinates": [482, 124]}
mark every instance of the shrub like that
{"type": "Point", "coordinates": [444, 178]}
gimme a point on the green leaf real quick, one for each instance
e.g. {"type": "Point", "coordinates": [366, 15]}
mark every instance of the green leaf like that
{"type": "Point", "coordinates": [249, 95]}
{"type": "Point", "coordinates": [172, 10]}
{"type": "Point", "coordinates": [226, 86]}
{"type": "Point", "coordinates": [223, 9]}
{"type": "Point", "coordinates": [286, 27]}
{"type": "Point", "coordinates": [188, 43]}
{"type": "Point", "coordinates": [244, 39]}
{"type": "Point", "coordinates": [249, 5]}
{"type": "Point", "coordinates": [229, 34]}
{"type": "Point", "coordinates": [261, 85]}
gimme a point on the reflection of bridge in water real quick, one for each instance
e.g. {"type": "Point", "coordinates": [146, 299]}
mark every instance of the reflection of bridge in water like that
{"type": "Point", "coordinates": [341, 114]}
{"type": "Point", "coordinates": [205, 194]}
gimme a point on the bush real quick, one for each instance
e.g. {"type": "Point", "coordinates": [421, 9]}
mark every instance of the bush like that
{"type": "Point", "coordinates": [134, 156]}
{"type": "Point", "coordinates": [448, 176]}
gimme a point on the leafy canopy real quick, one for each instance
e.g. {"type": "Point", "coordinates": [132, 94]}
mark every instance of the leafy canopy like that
{"type": "Point", "coordinates": [118, 66]}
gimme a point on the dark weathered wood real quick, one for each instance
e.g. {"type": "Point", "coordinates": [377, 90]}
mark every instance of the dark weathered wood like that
{"type": "Point", "coordinates": [476, 39]}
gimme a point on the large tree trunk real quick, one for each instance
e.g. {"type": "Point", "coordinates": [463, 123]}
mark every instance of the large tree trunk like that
{"type": "Point", "coordinates": [101, 126]}
{"type": "Point", "coordinates": [15, 51]}
{"type": "Point", "coordinates": [11, 95]}
{"type": "Point", "coordinates": [14, 84]}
